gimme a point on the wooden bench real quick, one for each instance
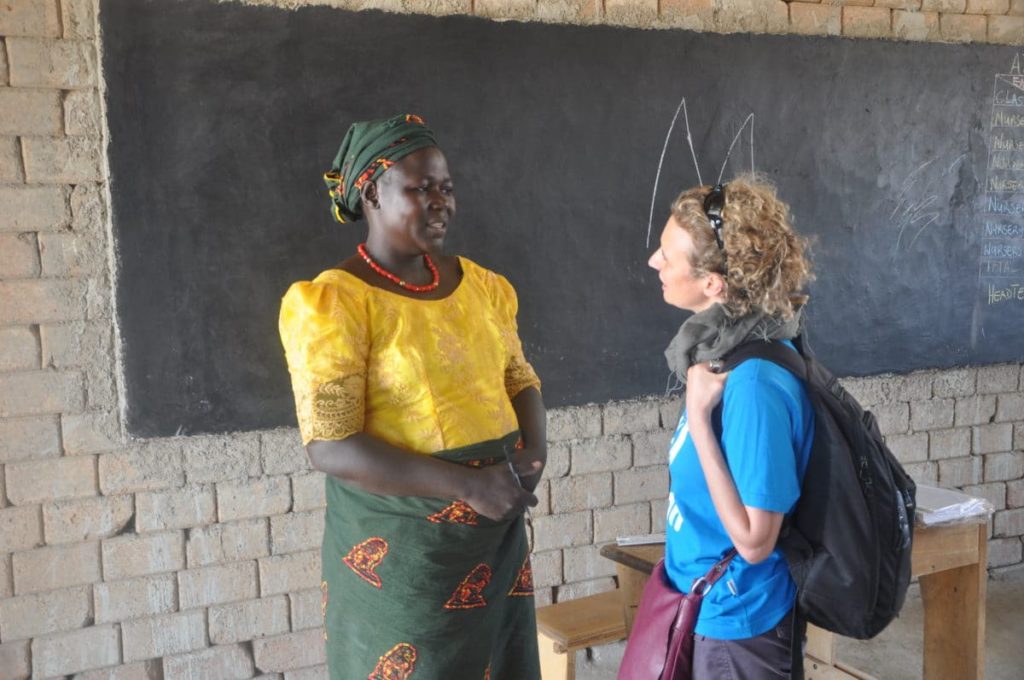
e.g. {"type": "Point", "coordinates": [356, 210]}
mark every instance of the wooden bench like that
{"type": "Point", "coordinates": [566, 627]}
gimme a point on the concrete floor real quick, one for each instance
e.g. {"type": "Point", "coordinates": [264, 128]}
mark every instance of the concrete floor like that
{"type": "Point", "coordinates": [896, 653]}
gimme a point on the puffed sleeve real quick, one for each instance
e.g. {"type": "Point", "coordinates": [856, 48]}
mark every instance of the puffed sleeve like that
{"type": "Point", "coordinates": [325, 335]}
{"type": "Point", "coordinates": [519, 374]}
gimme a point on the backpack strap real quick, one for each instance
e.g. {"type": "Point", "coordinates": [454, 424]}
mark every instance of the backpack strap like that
{"type": "Point", "coordinates": [775, 352]}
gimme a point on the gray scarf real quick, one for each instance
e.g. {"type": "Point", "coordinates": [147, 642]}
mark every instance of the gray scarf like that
{"type": "Point", "coordinates": [712, 333]}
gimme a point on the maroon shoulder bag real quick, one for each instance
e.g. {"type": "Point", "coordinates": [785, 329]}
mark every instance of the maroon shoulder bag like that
{"type": "Point", "coordinates": [660, 647]}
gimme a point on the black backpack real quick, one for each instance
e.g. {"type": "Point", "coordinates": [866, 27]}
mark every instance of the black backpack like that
{"type": "Point", "coordinates": [848, 541]}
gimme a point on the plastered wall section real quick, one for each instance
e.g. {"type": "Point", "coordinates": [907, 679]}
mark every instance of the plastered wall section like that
{"type": "Point", "coordinates": [198, 556]}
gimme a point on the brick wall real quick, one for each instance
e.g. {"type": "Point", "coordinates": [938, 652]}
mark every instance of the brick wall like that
{"type": "Point", "coordinates": [198, 556]}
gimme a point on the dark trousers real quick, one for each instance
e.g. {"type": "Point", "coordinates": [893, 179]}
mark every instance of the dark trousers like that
{"type": "Point", "coordinates": [769, 656]}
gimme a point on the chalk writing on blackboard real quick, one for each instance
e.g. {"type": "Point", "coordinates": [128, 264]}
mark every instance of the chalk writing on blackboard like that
{"type": "Point", "coordinates": [1001, 270]}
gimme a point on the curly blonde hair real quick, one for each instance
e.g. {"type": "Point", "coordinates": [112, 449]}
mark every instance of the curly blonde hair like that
{"type": "Point", "coordinates": [764, 264]}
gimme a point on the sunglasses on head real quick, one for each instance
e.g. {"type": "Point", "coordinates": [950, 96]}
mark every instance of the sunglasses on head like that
{"type": "Point", "coordinates": [714, 203]}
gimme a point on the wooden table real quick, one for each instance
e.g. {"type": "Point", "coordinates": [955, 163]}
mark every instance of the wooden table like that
{"type": "Point", "coordinates": [950, 562]}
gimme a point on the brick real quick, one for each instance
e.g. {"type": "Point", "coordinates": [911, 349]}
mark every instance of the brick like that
{"type": "Point", "coordinates": [61, 64]}
{"type": "Point", "coordinates": [659, 509]}
{"type": "Point", "coordinates": [25, 111]}
{"type": "Point", "coordinates": [42, 613]}
{"type": "Point", "coordinates": [651, 448]}
{"type": "Point", "coordinates": [66, 160]}
{"type": "Point", "coordinates": [992, 438]}
{"type": "Point", "coordinates": [100, 391]}
{"type": "Point", "coordinates": [215, 459]}
{"type": "Point", "coordinates": [814, 19]}
{"type": "Point", "coordinates": [306, 609]}
{"type": "Point", "coordinates": [583, 492]}
{"type": "Point", "coordinates": [174, 509]}
{"type": "Point", "coordinates": [163, 635]}
{"type": "Point", "coordinates": [949, 443]}
{"type": "Point", "coordinates": [286, 652]}
{"type": "Point", "coordinates": [958, 382]}
{"type": "Point", "coordinates": [289, 573]}
{"type": "Point", "coordinates": [963, 28]}
{"type": "Point", "coordinates": [3, 63]}
{"type": "Point", "coordinates": [744, 16]}
{"type": "Point", "coordinates": [1004, 551]}
{"type": "Point", "coordinates": [94, 432]}
{"type": "Point", "coordinates": [281, 452]}
{"type": "Point", "coordinates": [957, 472]}
{"type": "Point", "coordinates": [671, 410]}
{"type": "Point", "coordinates": [1001, 467]}
{"type": "Point", "coordinates": [229, 542]}
{"type": "Point", "coordinates": [994, 493]}
{"type": "Point", "coordinates": [563, 531]}
{"type": "Point", "coordinates": [584, 563]}
{"type": "Point", "coordinates": [913, 5]}
{"type": "Point", "coordinates": [987, 7]}
{"type": "Point", "coordinates": [504, 9]}
{"type": "Point", "coordinates": [141, 670]}
{"type": "Point", "coordinates": [19, 345]}
{"type": "Point", "coordinates": [32, 208]}
{"type": "Point", "coordinates": [575, 422]}
{"type": "Point", "coordinates": [951, 6]}
{"type": "Point", "coordinates": [38, 17]}
{"type": "Point", "coordinates": [40, 392]}
{"type": "Point", "coordinates": [71, 255]}
{"type": "Point", "coordinates": [82, 113]}
{"type": "Point", "coordinates": [38, 301]}
{"type": "Point", "coordinates": [57, 567]}
{"type": "Point", "coordinates": [135, 598]}
{"type": "Point", "coordinates": [10, 150]}
{"type": "Point", "coordinates": [1017, 7]}
{"type": "Point", "coordinates": [150, 467]}
{"type": "Point", "coordinates": [80, 650]}
{"type": "Point", "coordinates": [559, 457]}
{"type": "Point", "coordinates": [547, 568]}
{"type": "Point", "coordinates": [309, 492]}
{"type": "Point", "coordinates": [574, 591]}
{"type": "Point", "coordinates": [15, 660]}
{"type": "Point", "coordinates": [631, 416]}
{"type": "Point", "coordinates": [80, 344]}
{"type": "Point", "coordinates": [923, 473]}
{"type": "Point", "coordinates": [310, 673]}
{"type": "Point", "coordinates": [542, 597]}
{"type": "Point", "coordinates": [1007, 29]}
{"type": "Point", "coordinates": [1008, 523]}
{"type": "Point", "coordinates": [976, 410]}
{"type": "Point", "coordinates": [88, 209]}
{"type": "Point", "coordinates": [226, 662]}
{"type": "Point", "coordinates": [20, 529]}
{"type": "Point", "coordinates": [129, 556]}
{"type": "Point", "coordinates": [1010, 407]}
{"type": "Point", "coordinates": [934, 414]}
{"type": "Point", "coordinates": [51, 480]}
{"type": "Point", "coordinates": [242, 500]}
{"type": "Point", "coordinates": [6, 576]}
{"type": "Point", "coordinates": [543, 493]}
{"type": "Point", "coordinates": [216, 585]}
{"type": "Point", "coordinates": [867, 22]}
{"type": "Point", "coordinates": [570, 11]}
{"type": "Point", "coordinates": [1015, 494]}
{"type": "Point", "coordinates": [1018, 436]}
{"type": "Point", "coordinates": [242, 621]}
{"type": "Point", "coordinates": [998, 379]}
{"type": "Point", "coordinates": [641, 484]}
{"type": "Point", "coordinates": [892, 418]}
{"type": "Point", "coordinates": [29, 438]}
{"type": "Point", "coordinates": [19, 256]}
{"type": "Point", "coordinates": [79, 17]}
{"type": "Point", "coordinates": [296, 532]}
{"type": "Point", "coordinates": [601, 454]}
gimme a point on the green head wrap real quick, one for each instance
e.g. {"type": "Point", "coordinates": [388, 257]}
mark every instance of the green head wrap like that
{"type": "Point", "coordinates": [370, 148]}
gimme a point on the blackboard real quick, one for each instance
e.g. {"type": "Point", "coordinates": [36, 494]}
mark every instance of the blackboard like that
{"type": "Point", "coordinates": [223, 116]}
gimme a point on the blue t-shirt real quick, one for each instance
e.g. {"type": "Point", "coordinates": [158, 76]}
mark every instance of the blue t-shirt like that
{"type": "Point", "coordinates": [766, 437]}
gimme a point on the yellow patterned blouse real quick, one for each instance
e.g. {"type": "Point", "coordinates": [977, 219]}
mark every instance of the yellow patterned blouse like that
{"type": "Point", "coordinates": [425, 375]}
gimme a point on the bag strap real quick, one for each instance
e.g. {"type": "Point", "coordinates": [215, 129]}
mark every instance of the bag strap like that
{"type": "Point", "coordinates": [775, 352]}
{"type": "Point", "coordinates": [705, 582]}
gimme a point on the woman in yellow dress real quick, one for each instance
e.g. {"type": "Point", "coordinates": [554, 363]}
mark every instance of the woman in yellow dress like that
{"type": "Point", "coordinates": [414, 397]}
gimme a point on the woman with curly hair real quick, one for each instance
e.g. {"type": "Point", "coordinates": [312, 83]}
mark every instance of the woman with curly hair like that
{"type": "Point", "coordinates": [729, 254]}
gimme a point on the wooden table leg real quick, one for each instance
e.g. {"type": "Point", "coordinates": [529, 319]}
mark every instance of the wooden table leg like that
{"type": "Point", "coordinates": [954, 619]}
{"type": "Point", "coordinates": [631, 588]}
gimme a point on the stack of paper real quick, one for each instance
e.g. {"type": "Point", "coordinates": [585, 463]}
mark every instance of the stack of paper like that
{"type": "Point", "coordinates": [940, 506]}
